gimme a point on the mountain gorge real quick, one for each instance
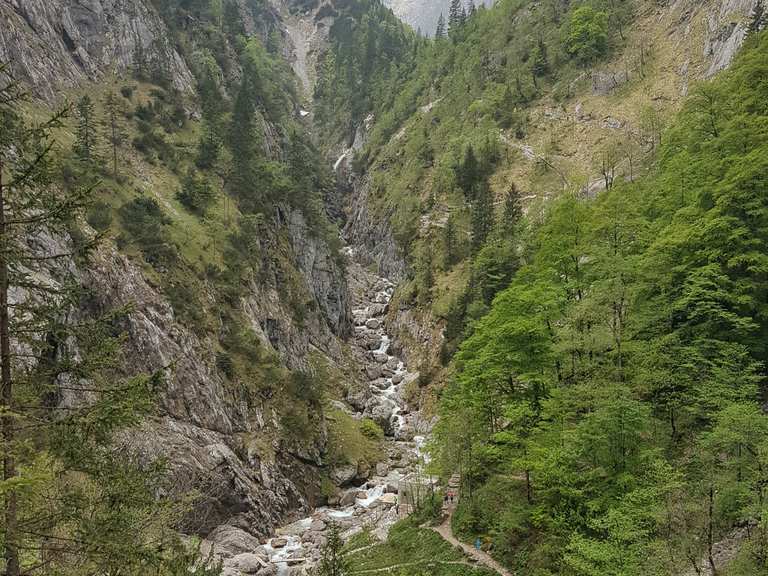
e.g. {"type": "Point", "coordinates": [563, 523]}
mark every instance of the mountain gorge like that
{"type": "Point", "coordinates": [327, 253]}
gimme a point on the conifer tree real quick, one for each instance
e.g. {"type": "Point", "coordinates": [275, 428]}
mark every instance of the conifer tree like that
{"type": "Point", "coordinates": [85, 136]}
{"type": "Point", "coordinates": [333, 561]}
{"type": "Point", "coordinates": [71, 503]}
{"type": "Point", "coordinates": [468, 172]}
{"type": "Point", "coordinates": [440, 32]}
{"type": "Point", "coordinates": [512, 211]}
{"type": "Point", "coordinates": [450, 241]}
{"type": "Point", "coordinates": [243, 143]}
{"type": "Point", "coordinates": [113, 125]}
{"type": "Point", "coordinates": [454, 15]}
{"type": "Point", "coordinates": [482, 215]}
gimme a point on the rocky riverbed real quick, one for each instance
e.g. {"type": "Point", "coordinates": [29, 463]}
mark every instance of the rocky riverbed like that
{"type": "Point", "coordinates": [366, 500]}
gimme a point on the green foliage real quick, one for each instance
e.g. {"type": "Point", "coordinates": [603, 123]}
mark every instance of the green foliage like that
{"type": "Point", "coordinates": [587, 34]}
{"type": "Point", "coordinates": [372, 52]}
{"type": "Point", "coordinates": [410, 550]}
{"type": "Point", "coordinates": [75, 500]}
{"type": "Point", "coordinates": [145, 226]}
{"type": "Point", "coordinates": [197, 193]}
{"type": "Point", "coordinates": [86, 138]}
{"type": "Point", "coordinates": [333, 560]}
{"type": "Point", "coordinates": [371, 430]}
{"type": "Point", "coordinates": [353, 442]}
{"type": "Point", "coordinates": [616, 381]}
{"type": "Point", "coordinates": [100, 216]}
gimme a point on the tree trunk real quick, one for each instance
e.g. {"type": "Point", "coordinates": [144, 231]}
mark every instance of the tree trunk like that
{"type": "Point", "coordinates": [710, 531]}
{"type": "Point", "coordinates": [114, 144]}
{"type": "Point", "coordinates": [9, 462]}
{"type": "Point", "coordinates": [528, 489]}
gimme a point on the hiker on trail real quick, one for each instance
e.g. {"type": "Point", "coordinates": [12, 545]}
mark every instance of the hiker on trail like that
{"type": "Point", "coordinates": [477, 543]}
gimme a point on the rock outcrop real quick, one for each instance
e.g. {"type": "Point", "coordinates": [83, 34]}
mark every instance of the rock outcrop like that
{"type": "Point", "coordinates": [217, 438]}
{"type": "Point", "coordinates": [61, 44]}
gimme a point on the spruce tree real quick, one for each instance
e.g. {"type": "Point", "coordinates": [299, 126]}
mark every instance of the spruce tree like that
{"type": "Point", "coordinates": [113, 127]}
{"type": "Point", "coordinates": [482, 215]}
{"type": "Point", "coordinates": [454, 15]}
{"type": "Point", "coordinates": [333, 561]}
{"type": "Point", "coordinates": [512, 211]}
{"type": "Point", "coordinates": [72, 503]}
{"type": "Point", "coordinates": [468, 173]}
{"type": "Point", "coordinates": [243, 143]}
{"type": "Point", "coordinates": [451, 247]}
{"type": "Point", "coordinates": [440, 32]}
{"type": "Point", "coordinates": [85, 135]}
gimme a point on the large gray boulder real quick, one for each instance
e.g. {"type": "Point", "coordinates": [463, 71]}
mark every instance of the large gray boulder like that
{"type": "Point", "coordinates": [230, 541]}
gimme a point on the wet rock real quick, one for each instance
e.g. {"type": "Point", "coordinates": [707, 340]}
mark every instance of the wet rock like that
{"type": "Point", "coordinates": [361, 495]}
{"type": "Point", "coordinates": [380, 383]}
{"type": "Point", "coordinates": [382, 415]}
{"type": "Point", "coordinates": [393, 363]}
{"type": "Point", "coordinates": [389, 499]}
{"type": "Point", "coordinates": [373, 343]}
{"type": "Point", "coordinates": [278, 543]}
{"type": "Point", "coordinates": [363, 470]}
{"type": "Point", "coordinates": [360, 398]}
{"type": "Point", "coordinates": [230, 541]}
{"type": "Point", "coordinates": [348, 498]}
{"type": "Point", "coordinates": [378, 309]}
{"type": "Point", "coordinates": [380, 357]}
{"type": "Point", "coordinates": [397, 378]}
{"type": "Point", "coordinates": [373, 324]}
{"type": "Point", "coordinates": [249, 563]}
{"type": "Point", "coordinates": [373, 372]}
{"type": "Point", "coordinates": [343, 475]}
{"type": "Point", "coordinates": [317, 526]}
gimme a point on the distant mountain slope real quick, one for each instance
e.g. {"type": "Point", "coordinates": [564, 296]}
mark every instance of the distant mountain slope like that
{"type": "Point", "coordinates": [423, 14]}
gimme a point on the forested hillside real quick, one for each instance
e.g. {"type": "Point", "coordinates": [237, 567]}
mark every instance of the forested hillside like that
{"type": "Point", "coordinates": [183, 294]}
{"type": "Point", "coordinates": [290, 288]}
{"type": "Point", "coordinates": [607, 411]}
{"type": "Point", "coordinates": [585, 224]}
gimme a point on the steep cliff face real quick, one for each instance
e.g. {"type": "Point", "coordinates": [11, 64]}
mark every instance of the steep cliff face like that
{"type": "Point", "coordinates": [62, 44]}
{"type": "Point", "coordinates": [220, 438]}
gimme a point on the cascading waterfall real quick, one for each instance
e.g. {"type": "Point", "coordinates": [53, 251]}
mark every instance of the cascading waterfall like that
{"type": "Point", "coordinates": [374, 504]}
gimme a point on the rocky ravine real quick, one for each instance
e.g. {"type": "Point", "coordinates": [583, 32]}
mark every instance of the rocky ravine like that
{"type": "Point", "coordinates": [373, 503]}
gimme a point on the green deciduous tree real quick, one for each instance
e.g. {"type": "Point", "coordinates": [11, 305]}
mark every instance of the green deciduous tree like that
{"type": "Point", "coordinates": [587, 34]}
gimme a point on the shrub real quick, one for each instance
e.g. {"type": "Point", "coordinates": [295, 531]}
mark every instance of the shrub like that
{"type": "Point", "coordinates": [371, 430]}
{"type": "Point", "coordinates": [145, 226]}
{"type": "Point", "coordinates": [196, 193]}
{"type": "Point", "coordinates": [100, 216]}
{"type": "Point", "coordinates": [225, 364]}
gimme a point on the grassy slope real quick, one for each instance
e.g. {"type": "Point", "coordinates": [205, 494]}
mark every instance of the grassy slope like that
{"type": "Point", "coordinates": [410, 550]}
